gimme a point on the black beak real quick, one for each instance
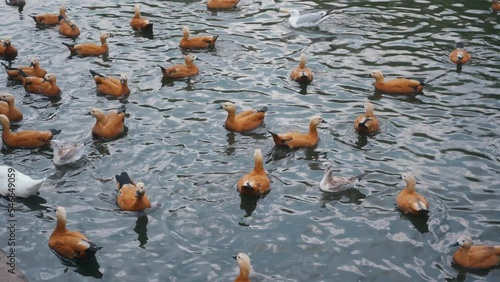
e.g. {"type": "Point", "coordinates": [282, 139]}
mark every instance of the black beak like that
{"type": "Point", "coordinates": [323, 121]}
{"type": "Point", "coordinates": [235, 257]}
{"type": "Point", "coordinates": [137, 193]}
{"type": "Point", "coordinates": [31, 65]}
{"type": "Point", "coordinates": [456, 244]}
{"type": "Point", "coordinates": [219, 108]}
{"type": "Point", "coordinates": [44, 80]}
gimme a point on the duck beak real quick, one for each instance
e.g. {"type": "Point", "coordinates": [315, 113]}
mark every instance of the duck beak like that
{"type": "Point", "coordinates": [44, 80]}
{"type": "Point", "coordinates": [31, 64]}
{"type": "Point", "coordinates": [137, 194]}
{"type": "Point", "coordinates": [234, 257]}
{"type": "Point", "coordinates": [218, 108]}
{"type": "Point", "coordinates": [323, 121]}
{"type": "Point", "coordinates": [455, 244]}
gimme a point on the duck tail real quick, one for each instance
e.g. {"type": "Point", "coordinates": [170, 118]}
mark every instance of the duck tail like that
{"type": "Point", "coordinates": [33, 17]}
{"type": "Point", "coordinates": [92, 249]}
{"type": "Point", "coordinates": [214, 39]}
{"type": "Point", "coordinates": [460, 45]}
{"type": "Point", "coordinates": [21, 73]}
{"type": "Point", "coordinates": [422, 208]}
{"type": "Point", "coordinates": [247, 186]}
{"type": "Point", "coordinates": [163, 69]}
{"type": "Point", "coordinates": [55, 131]}
{"type": "Point", "coordinates": [262, 110]}
{"type": "Point", "coordinates": [71, 47]}
{"type": "Point", "coordinates": [277, 139]}
{"type": "Point", "coordinates": [148, 28]}
{"type": "Point", "coordinates": [122, 109]}
{"type": "Point", "coordinates": [123, 179]}
{"type": "Point", "coordinates": [364, 121]}
{"type": "Point", "coordinates": [94, 73]}
{"type": "Point", "coordinates": [359, 177]}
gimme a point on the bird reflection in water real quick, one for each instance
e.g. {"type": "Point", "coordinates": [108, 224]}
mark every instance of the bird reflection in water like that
{"type": "Point", "coordinates": [141, 228]}
{"type": "Point", "coordinates": [419, 222]}
{"type": "Point", "coordinates": [83, 267]}
{"type": "Point", "coordinates": [249, 203]}
{"type": "Point", "coordinates": [349, 196]}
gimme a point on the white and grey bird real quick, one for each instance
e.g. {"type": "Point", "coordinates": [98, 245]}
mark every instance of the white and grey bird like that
{"type": "Point", "coordinates": [67, 152]}
{"type": "Point", "coordinates": [307, 20]}
{"type": "Point", "coordinates": [333, 184]}
{"type": "Point", "coordinates": [21, 184]}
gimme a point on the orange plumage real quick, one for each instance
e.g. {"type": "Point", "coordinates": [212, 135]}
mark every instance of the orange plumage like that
{"type": "Point", "coordinates": [50, 19]}
{"type": "Point", "coordinates": [46, 86]}
{"type": "Point", "coordinates": [131, 196]}
{"type": "Point", "coordinates": [197, 41]}
{"type": "Point", "coordinates": [90, 49]}
{"type": "Point", "coordinates": [244, 265]}
{"type": "Point", "coordinates": [244, 121]}
{"type": "Point", "coordinates": [301, 73]}
{"type": "Point", "coordinates": [396, 86]}
{"type": "Point", "coordinates": [297, 140]}
{"type": "Point", "coordinates": [255, 182]}
{"type": "Point", "coordinates": [139, 23]}
{"type": "Point", "coordinates": [68, 28]}
{"type": "Point", "coordinates": [495, 5]}
{"type": "Point", "coordinates": [8, 108]}
{"type": "Point", "coordinates": [111, 86]}
{"type": "Point", "coordinates": [476, 257]}
{"type": "Point", "coordinates": [25, 138]}
{"type": "Point", "coordinates": [108, 126]}
{"type": "Point", "coordinates": [7, 50]}
{"type": "Point", "coordinates": [181, 71]}
{"type": "Point", "coordinates": [34, 69]}
{"type": "Point", "coordinates": [367, 122]}
{"type": "Point", "coordinates": [222, 4]}
{"type": "Point", "coordinates": [409, 201]}
{"type": "Point", "coordinates": [459, 55]}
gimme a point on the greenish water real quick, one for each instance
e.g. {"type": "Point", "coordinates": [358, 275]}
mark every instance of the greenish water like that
{"type": "Point", "coordinates": [175, 143]}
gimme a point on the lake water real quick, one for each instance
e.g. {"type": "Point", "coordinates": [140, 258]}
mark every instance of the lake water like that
{"type": "Point", "coordinates": [449, 137]}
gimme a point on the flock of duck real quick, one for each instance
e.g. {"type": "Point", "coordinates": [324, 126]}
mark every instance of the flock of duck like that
{"type": "Point", "coordinates": [131, 195]}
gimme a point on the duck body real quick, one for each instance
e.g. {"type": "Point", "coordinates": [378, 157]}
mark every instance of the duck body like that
{"type": "Point", "coordinates": [459, 55]}
{"type": "Point", "coordinates": [397, 85]}
{"type": "Point", "coordinates": [46, 86]}
{"type": "Point", "coordinates": [8, 108]}
{"type": "Point", "coordinates": [131, 196]}
{"type": "Point", "coordinates": [23, 185]}
{"type": "Point", "coordinates": [495, 5]}
{"type": "Point", "coordinates": [181, 71]}
{"type": "Point", "coordinates": [7, 50]}
{"type": "Point", "coordinates": [25, 138]}
{"type": "Point", "coordinates": [89, 49]}
{"type": "Point", "coordinates": [222, 4]}
{"type": "Point", "coordinates": [244, 265]}
{"type": "Point", "coordinates": [68, 28]}
{"type": "Point", "coordinates": [244, 121]}
{"type": "Point", "coordinates": [108, 126]}
{"type": "Point", "coordinates": [50, 19]}
{"type": "Point", "coordinates": [32, 70]}
{"type": "Point", "coordinates": [302, 74]}
{"type": "Point", "coordinates": [409, 201]}
{"type": "Point", "coordinates": [367, 122]}
{"type": "Point", "coordinates": [256, 182]}
{"type": "Point", "coordinates": [197, 42]}
{"type": "Point", "coordinates": [111, 86]}
{"type": "Point", "coordinates": [294, 140]}
{"type": "Point", "coordinates": [476, 257]}
{"type": "Point", "coordinates": [139, 23]}
{"type": "Point", "coordinates": [70, 244]}
{"type": "Point", "coordinates": [335, 184]}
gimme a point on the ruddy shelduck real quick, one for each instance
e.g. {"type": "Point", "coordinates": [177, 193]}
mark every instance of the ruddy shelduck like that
{"type": "Point", "coordinates": [69, 28]}
{"type": "Point", "coordinates": [70, 244]}
{"type": "Point", "coordinates": [244, 121]}
{"type": "Point", "coordinates": [298, 140]}
{"type": "Point", "coordinates": [459, 55]}
{"type": "Point", "coordinates": [222, 4]}
{"type": "Point", "coordinates": [495, 5]}
{"type": "Point", "coordinates": [475, 257]}
{"type": "Point", "coordinates": [397, 85]}
{"type": "Point", "coordinates": [131, 196]}
{"type": "Point", "coordinates": [111, 86]}
{"type": "Point", "coordinates": [108, 126]}
{"type": "Point", "coordinates": [256, 182]}
{"type": "Point", "coordinates": [46, 86]}
{"type": "Point", "coordinates": [244, 265]}
{"type": "Point", "coordinates": [196, 42]}
{"type": "Point", "coordinates": [367, 122]}
{"type": "Point", "coordinates": [302, 73]}
{"type": "Point", "coordinates": [50, 19]}
{"type": "Point", "coordinates": [90, 49]}
{"type": "Point", "coordinates": [181, 71]}
{"type": "Point", "coordinates": [138, 23]}
{"type": "Point", "coordinates": [34, 69]}
{"type": "Point", "coordinates": [8, 108]}
{"type": "Point", "coordinates": [7, 50]}
{"type": "Point", "coordinates": [25, 138]}
{"type": "Point", "coordinates": [409, 201]}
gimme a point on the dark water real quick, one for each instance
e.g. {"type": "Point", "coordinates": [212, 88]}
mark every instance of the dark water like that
{"type": "Point", "coordinates": [449, 138]}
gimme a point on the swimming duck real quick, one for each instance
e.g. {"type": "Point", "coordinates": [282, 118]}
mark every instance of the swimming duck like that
{"type": "Point", "coordinates": [398, 85]}
{"type": "Point", "coordinates": [7, 50]}
{"type": "Point", "coordinates": [8, 108]}
{"type": "Point", "coordinates": [255, 182]}
{"type": "Point", "coordinates": [24, 185]}
{"type": "Point", "coordinates": [333, 184]}
{"type": "Point", "coordinates": [459, 56]}
{"type": "Point", "coordinates": [138, 23]}
{"type": "Point", "coordinates": [301, 73]}
{"type": "Point", "coordinates": [66, 152]}
{"type": "Point", "coordinates": [495, 5]}
{"type": "Point", "coordinates": [297, 20]}
{"type": "Point", "coordinates": [197, 41]}
{"type": "Point", "coordinates": [110, 125]}
{"type": "Point", "coordinates": [244, 121]}
{"type": "Point", "coordinates": [408, 200]}
{"type": "Point", "coordinates": [297, 140]}
{"type": "Point", "coordinates": [34, 69]}
{"type": "Point", "coordinates": [111, 86]}
{"type": "Point", "coordinates": [475, 257]}
{"type": "Point", "coordinates": [35, 85]}
{"type": "Point", "coordinates": [244, 264]}
{"type": "Point", "coordinates": [68, 28]}
{"type": "Point", "coordinates": [70, 244]}
{"type": "Point", "coordinates": [131, 196]}
{"type": "Point", "coordinates": [23, 139]}
{"type": "Point", "coordinates": [222, 4]}
{"type": "Point", "coordinates": [181, 71]}
{"type": "Point", "coordinates": [90, 49]}
{"type": "Point", "coordinates": [367, 122]}
{"type": "Point", "coordinates": [50, 19]}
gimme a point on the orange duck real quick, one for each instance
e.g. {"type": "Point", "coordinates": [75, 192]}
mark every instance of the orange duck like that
{"type": "Point", "coordinates": [297, 140]}
{"type": "Point", "coordinates": [398, 85]}
{"type": "Point", "coordinates": [8, 108]}
{"type": "Point", "coordinates": [255, 182]}
{"type": "Point", "coordinates": [244, 265]}
{"type": "Point", "coordinates": [197, 41]}
{"type": "Point", "coordinates": [409, 201]}
{"type": "Point", "coordinates": [301, 73]}
{"type": "Point", "coordinates": [367, 122]}
{"type": "Point", "coordinates": [495, 5]}
{"type": "Point", "coordinates": [181, 71]}
{"type": "Point", "coordinates": [222, 4]}
{"type": "Point", "coordinates": [34, 69]}
{"type": "Point", "coordinates": [138, 23]}
{"type": "Point", "coordinates": [23, 139]}
{"type": "Point", "coordinates": [68, 28]}
{"type": "Point", "coordinates": [459, 56]}
{"type": "Point", "coordinates": [131, 196]}
{"type": "Point", "coordinates": [7, 50]}
{"type": "Point", "coordinates": [243, 121]}
{"type": "Point", "coordinates": [475, 257]}
{"type": "Point", "coordinates": [111, 86]}
{"type": "Point", "coordinates": [90, 49]}
{"type": "Point", "coordinates": [110, 125]}
{"type": "Point", "coordinates": [50, 19]}
{"type": "Point", "coordinates": [35, 85]}
{"type": "Point", "coordinates": [70, 244]}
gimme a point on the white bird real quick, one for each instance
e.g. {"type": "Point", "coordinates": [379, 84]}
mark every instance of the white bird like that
{"type": "Point", "coordinates": [332, 184]}
{"type": "Point", "coordinates": [307, 20]}
{"type": "Point", "coordinates": [66, 152]}
{"type": "Point", "coordinates": [21, 184]}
